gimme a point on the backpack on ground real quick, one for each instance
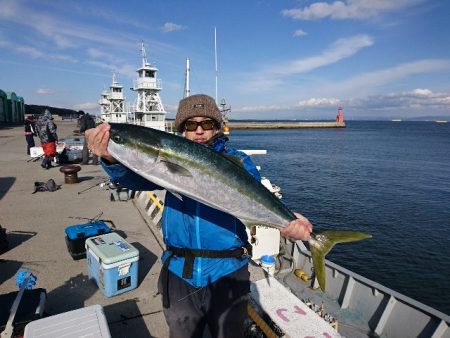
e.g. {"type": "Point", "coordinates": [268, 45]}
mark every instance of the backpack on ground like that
{"type": "Point", "coordinates": [50, 185]}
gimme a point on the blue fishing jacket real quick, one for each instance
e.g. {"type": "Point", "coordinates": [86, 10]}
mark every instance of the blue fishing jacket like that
{"type": "Point", "coordinates": [189, 224]}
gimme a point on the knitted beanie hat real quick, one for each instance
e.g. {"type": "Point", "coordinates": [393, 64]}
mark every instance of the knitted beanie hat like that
{"type": "Point", "coordinates": [194, 106]}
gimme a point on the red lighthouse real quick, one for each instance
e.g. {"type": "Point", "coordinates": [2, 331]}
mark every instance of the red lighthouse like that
{"type": "Point", "coordinates": [340, 116]}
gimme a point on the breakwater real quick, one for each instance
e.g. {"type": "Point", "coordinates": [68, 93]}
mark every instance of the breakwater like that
{"type": "Point", "coordinates": [283, 125]}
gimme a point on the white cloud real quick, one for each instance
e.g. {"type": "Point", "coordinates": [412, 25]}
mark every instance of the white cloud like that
{"type": "Point", "coordinates": [35, 53]}
{"type": "Point", "coordinates": [408, 104]}
{"type": "Point", "coordinates": [367, 83]}
{"type": "Point", "coordinates": [274, 76]}
{"type": "Point", "coordinates": [308, 103]}
{"type": "Point", "coordinates": [299, 33]}
{"type": "Point", "coordinates": [172, 27]}
{"type": "Point", "coordinates": [44, 91]}
{"type": "Point", "coordinates": [97, 54]}
{"type": "Point", "coordinates": [422, 92]}
{"type": "Point", "coordinates": [261, 108]}
{"type": "Point", "coordinates": [340, 49]}
{"type": "Point", "coordinates": [350, 9]}
{"type": "Point", "coordinates": [62, 32]}
{"type": "Point", "coordinates": [319, 102]}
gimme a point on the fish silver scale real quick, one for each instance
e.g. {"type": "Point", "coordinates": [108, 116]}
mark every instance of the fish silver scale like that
{"type": "Point", "coordinates": [214, 179]}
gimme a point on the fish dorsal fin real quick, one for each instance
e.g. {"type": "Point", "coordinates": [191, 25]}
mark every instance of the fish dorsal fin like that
{"type": "Point", "coordinates": [235, 159]}
{"type": "Point", "coordinates": [176, 168]}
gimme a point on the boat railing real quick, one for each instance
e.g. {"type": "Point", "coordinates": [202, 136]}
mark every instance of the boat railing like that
{"type": "Point", "coordinates": [384, 309]}
{"type": "Point", "coordinates": [147, 84]}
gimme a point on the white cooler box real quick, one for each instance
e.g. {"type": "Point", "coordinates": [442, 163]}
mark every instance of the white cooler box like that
{"type": "Point", "coordinates": [113, 263]}
{"type": "Point", "coordinates": [85, 322]}
{"type": "Point", "coordinates": [38, 151]}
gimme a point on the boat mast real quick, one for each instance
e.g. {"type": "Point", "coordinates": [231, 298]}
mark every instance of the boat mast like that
{"type": "Point", "coordinates": [144, 55]}
{"type": "Point", "coordinates": [215, 57]}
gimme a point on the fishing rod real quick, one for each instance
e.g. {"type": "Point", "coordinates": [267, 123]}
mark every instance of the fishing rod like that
{"type": "Point", "coordinates": [95, 219]}
{"type": "Point", "coordinates": [93, 186]}
{"type": "Point", "coordinates": [34, 159]}
{"type": "Point", "coordinates": [92, 220]}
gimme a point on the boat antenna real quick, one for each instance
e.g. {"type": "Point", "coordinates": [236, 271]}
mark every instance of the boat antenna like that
{"type": "Point", "coordinates": [215, 56]}
{"type": "Point", "coordinates": [187, 90]}
{"type": "Point", "coordinates": [144, 56]}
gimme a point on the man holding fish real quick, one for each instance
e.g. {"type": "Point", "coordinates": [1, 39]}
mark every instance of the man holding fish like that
{"type": "Point", "coordinates": [204, 279]}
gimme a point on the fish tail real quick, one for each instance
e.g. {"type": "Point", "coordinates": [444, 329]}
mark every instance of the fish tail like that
{"type": "Point", "coordinates": [320, 244]}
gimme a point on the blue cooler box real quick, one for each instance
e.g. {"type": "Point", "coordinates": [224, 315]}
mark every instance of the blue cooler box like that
{"type": "Point", "coordinates": [113, 263]}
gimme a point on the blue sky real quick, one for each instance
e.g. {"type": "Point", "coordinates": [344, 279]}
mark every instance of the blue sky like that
{"type": "Point", "coordinates": [276, 59]}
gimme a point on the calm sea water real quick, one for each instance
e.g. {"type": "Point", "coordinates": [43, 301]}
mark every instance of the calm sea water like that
{"type": "Point", "coordinates": [385, 178]}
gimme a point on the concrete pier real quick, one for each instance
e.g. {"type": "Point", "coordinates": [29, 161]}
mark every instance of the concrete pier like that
{"type": "Point", "coordinates": [35, 226]}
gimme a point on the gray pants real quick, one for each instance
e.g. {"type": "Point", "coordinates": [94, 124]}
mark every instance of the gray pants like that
{"type": "Point", "coordinates": [222, 306]}
{"type": "Point", "coordinates": [85, 154]}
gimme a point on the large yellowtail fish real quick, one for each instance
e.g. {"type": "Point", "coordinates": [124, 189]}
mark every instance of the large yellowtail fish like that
{"type": "Point", "coordinates": [187, 168]}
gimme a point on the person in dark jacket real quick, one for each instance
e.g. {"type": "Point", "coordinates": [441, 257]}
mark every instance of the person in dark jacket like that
{"type": "Point", "coordinates": [86, 122]}
{"type": "Point", "coordinates": [30, 132]}
{"type": "Point", "coordinates": [46, 130]}
{"type": "Point", "coordinates": [205, 279]}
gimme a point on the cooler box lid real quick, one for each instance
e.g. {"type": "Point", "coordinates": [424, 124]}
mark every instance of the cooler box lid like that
{"type": "Point", "coordinates": [86, 230]}
{"type": "Point", "coordinates": [111, 248]}
{"type": "Point", "coordinates": [85, 322]}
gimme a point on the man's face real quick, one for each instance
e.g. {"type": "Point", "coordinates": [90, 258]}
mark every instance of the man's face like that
{"type": "Point", "coordinates": [200, 135]}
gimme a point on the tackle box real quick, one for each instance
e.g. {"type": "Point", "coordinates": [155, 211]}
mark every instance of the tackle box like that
{"type": "Point", "coordinates": [112, 263]}
{"type": "Point", "coordinates": [77, 234]}
{"type": "Point", "coordinates": [85, 322]}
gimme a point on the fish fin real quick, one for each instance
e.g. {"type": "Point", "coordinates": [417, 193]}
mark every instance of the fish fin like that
{"type": "Point", "coordinates": [322, 244]}
{"type": "Point", "coordinates": [249, 223]}
{"type": "Point", "coordinates": [177, 195]}
{"type": "Point", "coordinates": [176, 168]}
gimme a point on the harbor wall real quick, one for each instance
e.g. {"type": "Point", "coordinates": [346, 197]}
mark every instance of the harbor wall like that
{"type": "Point", "coordinates": [284, 125]}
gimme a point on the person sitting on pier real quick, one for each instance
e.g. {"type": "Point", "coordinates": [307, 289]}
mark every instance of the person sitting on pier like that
{"type": "Point", "coordinates": [205, 279]}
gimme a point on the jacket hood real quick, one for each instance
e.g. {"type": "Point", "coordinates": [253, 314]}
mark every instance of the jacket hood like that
{"type": "Point", "coordinates": [47, 114]}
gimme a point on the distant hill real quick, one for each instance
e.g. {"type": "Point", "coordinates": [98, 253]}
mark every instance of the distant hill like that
{"type": "Point", "coordinates": [32, 109]}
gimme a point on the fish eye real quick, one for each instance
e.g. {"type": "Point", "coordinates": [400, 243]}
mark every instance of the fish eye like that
{"type": "Point", "coordinates": [116, 138]}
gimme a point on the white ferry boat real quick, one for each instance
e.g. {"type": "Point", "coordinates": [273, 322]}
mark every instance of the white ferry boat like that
{"type": "Point", "coordinates": [147, 110]}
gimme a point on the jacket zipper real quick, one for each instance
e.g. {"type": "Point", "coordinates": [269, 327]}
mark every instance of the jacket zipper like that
{"type": "Point", "coordinates": [197, 233]}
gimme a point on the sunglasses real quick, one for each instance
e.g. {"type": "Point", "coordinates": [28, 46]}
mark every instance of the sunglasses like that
{"type": "Point", "coordinates": [193, 125]}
